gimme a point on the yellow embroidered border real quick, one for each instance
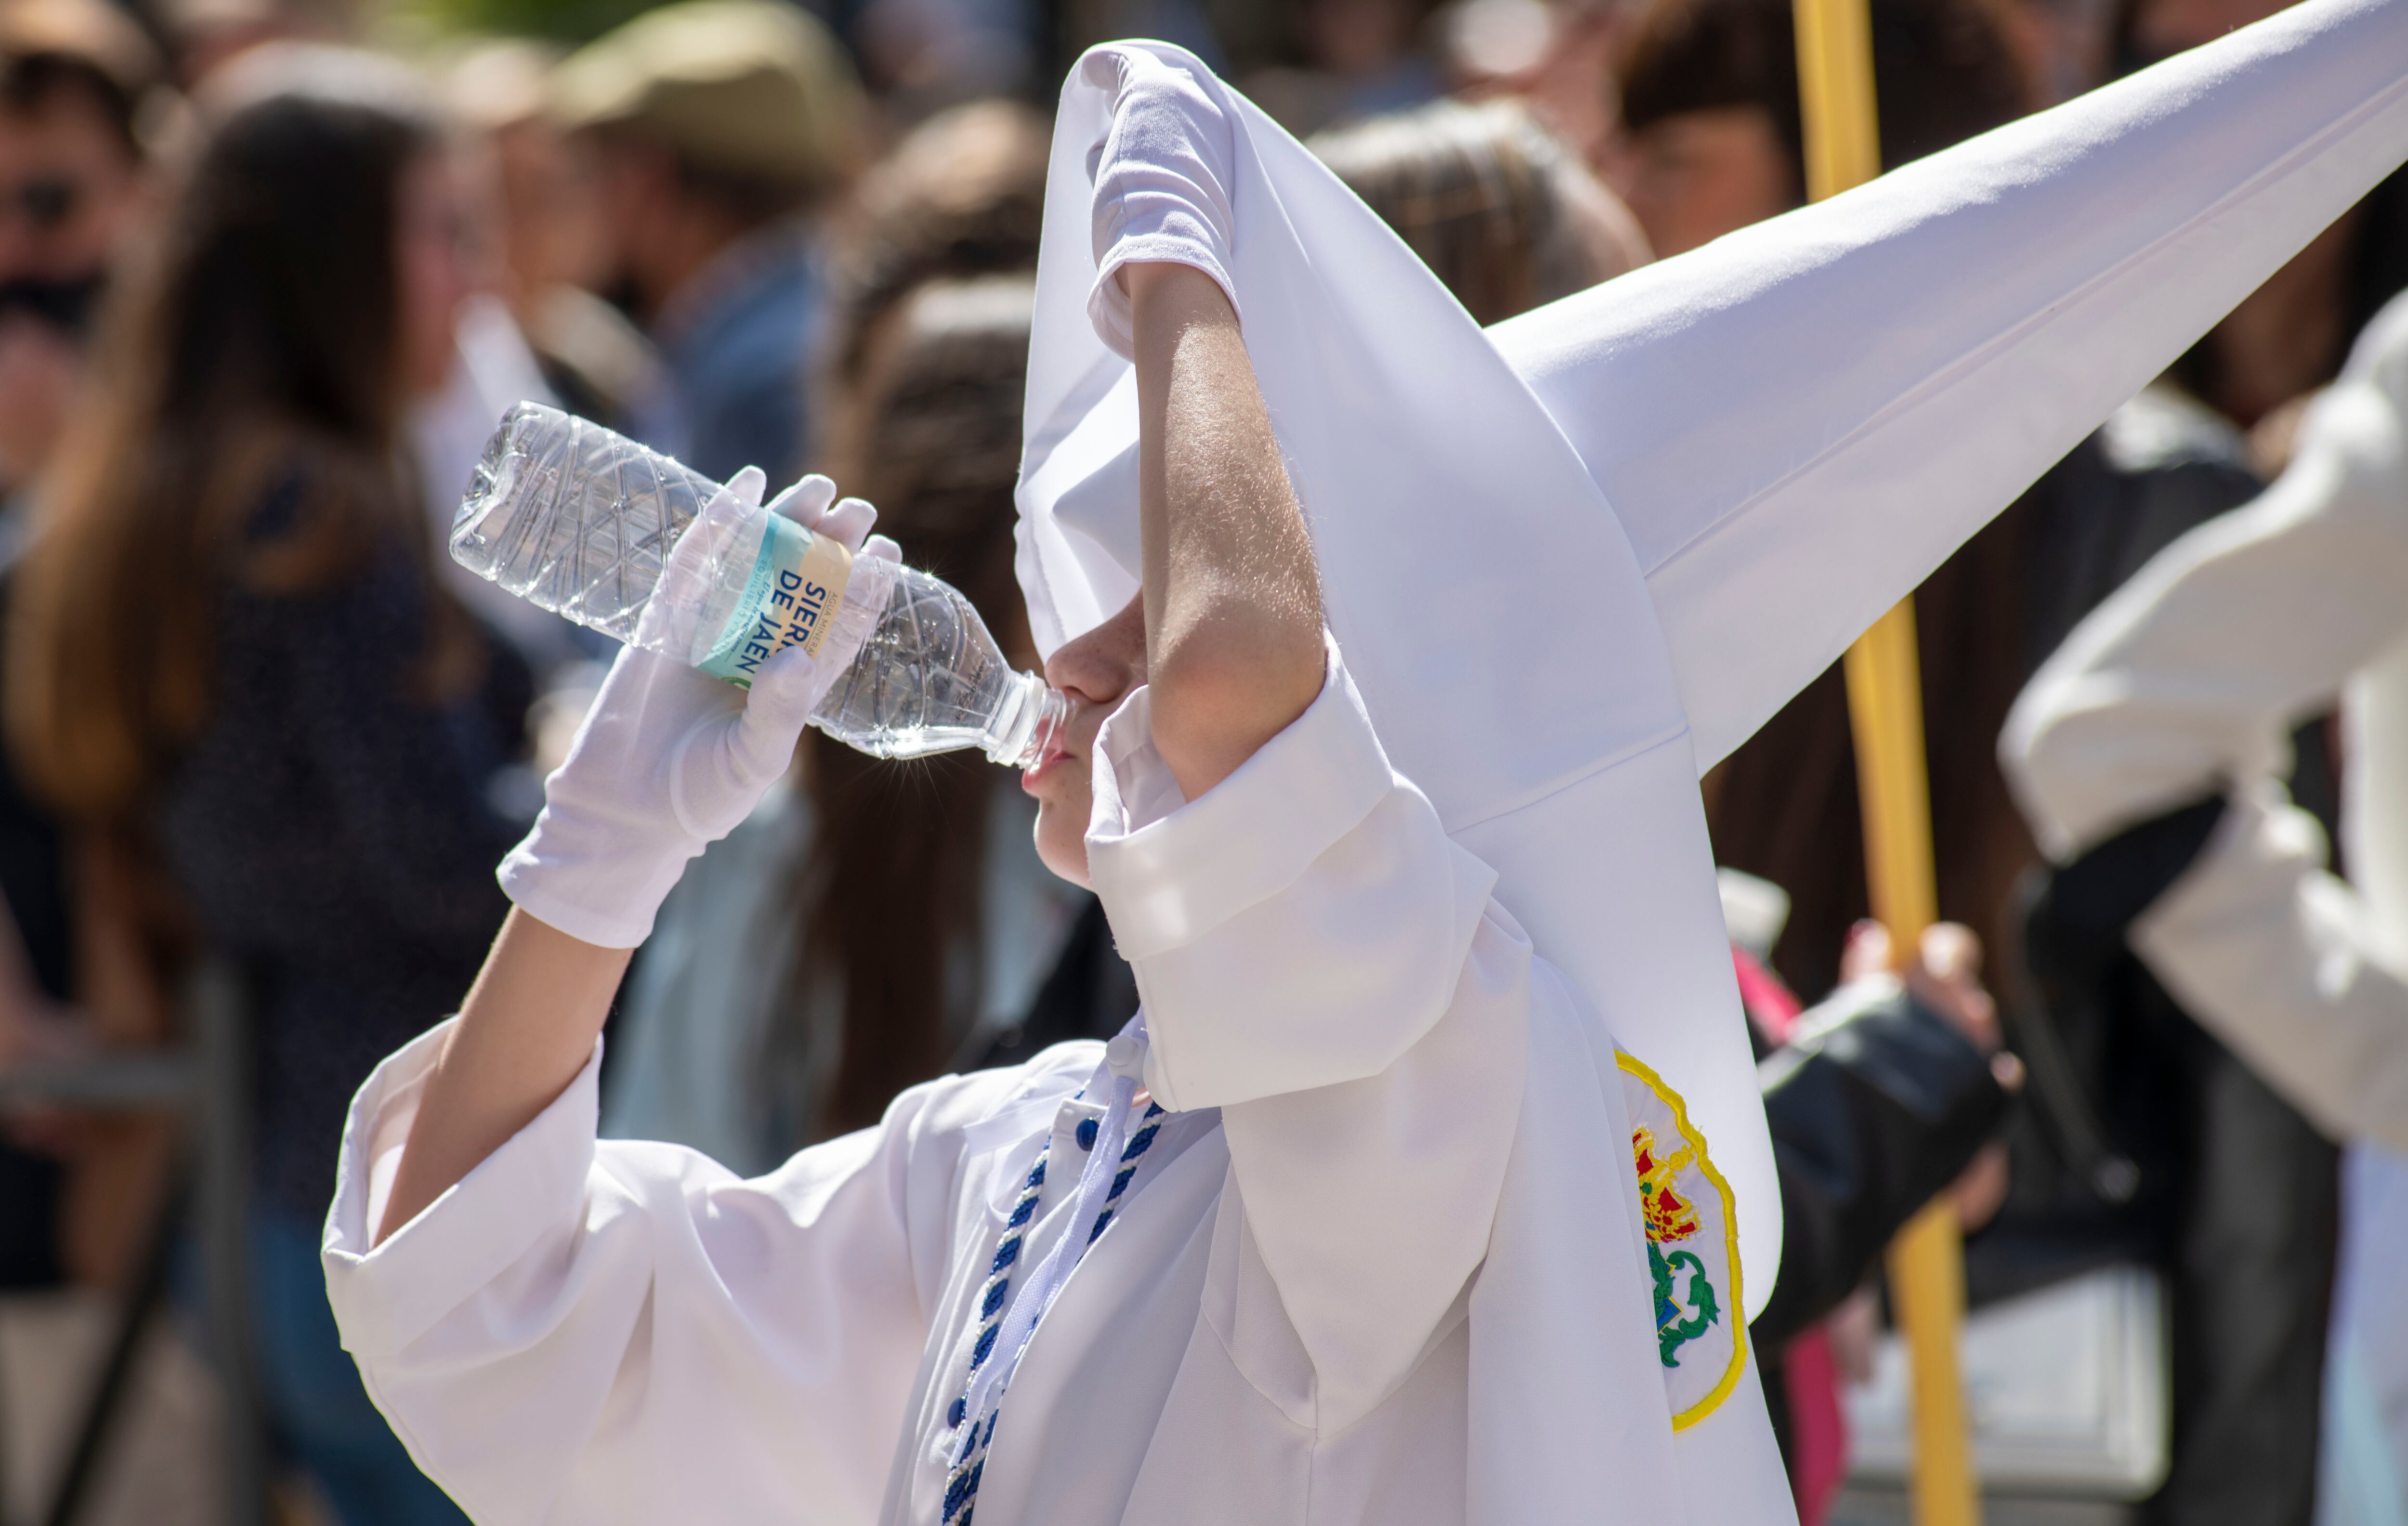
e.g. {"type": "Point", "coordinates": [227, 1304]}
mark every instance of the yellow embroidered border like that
{"type": "Point", "coordinates": [1672, 1099]}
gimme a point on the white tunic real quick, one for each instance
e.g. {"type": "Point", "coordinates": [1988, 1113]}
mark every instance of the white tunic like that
{"type": "Point", "coordinates": [1326, 1301]}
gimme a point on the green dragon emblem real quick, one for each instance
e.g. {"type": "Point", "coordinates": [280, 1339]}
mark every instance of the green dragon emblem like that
{"type": "Point", "coordinates": [1673, 1332]}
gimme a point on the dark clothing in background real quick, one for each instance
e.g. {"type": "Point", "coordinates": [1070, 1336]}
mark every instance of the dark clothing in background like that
{"type": "Point", "coordinates": [1091, 992]}
{"type": "Point", "coordinates": [1868, 1122]}
{"type": "Point", "coordinates": [2232, 1192]}
{"type": "Point", "coordinates": [331, 832]}
{"type": "Point", "coordinates": [2236, 1199]}
{"type": "Point", "coordinates": [32, 882]}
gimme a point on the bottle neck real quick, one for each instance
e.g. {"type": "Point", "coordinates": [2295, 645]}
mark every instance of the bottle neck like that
{"type": "Point", "coordinates": [1024, 727]}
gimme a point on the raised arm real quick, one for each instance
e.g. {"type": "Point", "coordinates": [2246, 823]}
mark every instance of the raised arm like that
{"type": "Point", "coordinates": [1317, 960]}
{"type": "Point", "coordinates": [1232, 604]}
{"type": "Point", "coordinates": [668, 760]}
{"type": "Point", "coordinates": [526, 1029]}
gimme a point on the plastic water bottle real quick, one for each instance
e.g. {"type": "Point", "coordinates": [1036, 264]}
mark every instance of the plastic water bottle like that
{"type": "Point", "coordinates": [593, 526]}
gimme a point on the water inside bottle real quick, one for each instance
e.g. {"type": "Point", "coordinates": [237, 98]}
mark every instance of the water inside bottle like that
{"type": "Point", "coordinates": [620, 538]}
{"type": "Point", "coordinates": [930, 678]}
{"type": "Point", "coordinates": [574, 518]}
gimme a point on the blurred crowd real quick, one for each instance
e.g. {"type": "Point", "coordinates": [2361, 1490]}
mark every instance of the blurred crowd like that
{"type": "Point", "coordinates": [270, 271]}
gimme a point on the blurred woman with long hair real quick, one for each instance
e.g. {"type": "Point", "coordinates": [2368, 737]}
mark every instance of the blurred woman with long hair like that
{"type": "Point", "coordinates": [231, 662]}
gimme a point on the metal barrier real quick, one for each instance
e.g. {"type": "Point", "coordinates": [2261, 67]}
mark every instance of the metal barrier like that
{"type": "Point", "coordinates": [209, 1081]}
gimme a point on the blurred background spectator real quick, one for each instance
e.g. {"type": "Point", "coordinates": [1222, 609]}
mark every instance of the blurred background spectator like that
{"type": "Point", "coordinates": [924, 55]}
{"type": "Point", "coordinates": [1359, 58]}
{"type": "Point", "coordinates": [1492, 202]}
{"type": "Point", "coordinates": [554, 243]}
{"type": "Point", "coordinates": [718, 127]}
{"type": "Point", "coordinates": [2147, 755]}
{"type": "Point", "coordinates": [232, 665]}
{"type": "Point", "coordinates": [2290, 336]}
{"type": "Point", "coordinates": [73, 193]}
{"type": "Point", "coordinates": [82, 98]}
{"type": "Point", "coordinates": [1710, 102]}
{"type": "Point", "coordinates": [492, 363]}
{"type": "Point", "coordinates": [74, 189]}
{"type": "Point", "coordinates": [1556, 58]}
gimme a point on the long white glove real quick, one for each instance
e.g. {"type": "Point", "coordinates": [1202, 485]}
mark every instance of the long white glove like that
{"type": "Point", "coordinates": [670, 759]}
{"type": "Point", "coordinates": [1163, 181]}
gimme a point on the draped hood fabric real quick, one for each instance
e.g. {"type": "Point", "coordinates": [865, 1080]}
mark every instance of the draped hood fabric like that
{"type": "Point", "coordinates": [1574, 563]}
{"type": "Point", "coordinates": [1798, 423]}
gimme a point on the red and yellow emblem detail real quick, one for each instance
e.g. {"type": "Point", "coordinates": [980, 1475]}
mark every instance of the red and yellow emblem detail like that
{"type": "Point", "coordinates": [1692, 1248]}
{"type": "Point", "coordinates": [1670, 1216]}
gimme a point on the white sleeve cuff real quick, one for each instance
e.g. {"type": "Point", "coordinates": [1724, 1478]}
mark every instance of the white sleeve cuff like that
{"type": "Point", "coordinates": [2280, 959]}
{"type": "Point", "coordinates": [1301, 924]}
{"type": "Point", "coordinates": [532, 1187]}
{"type": "Point", "coordinates": [1170, 870]}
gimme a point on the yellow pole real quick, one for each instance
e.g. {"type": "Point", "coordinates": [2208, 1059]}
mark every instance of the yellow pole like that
{"type": "Point", "coordinates": [1926, 1261]}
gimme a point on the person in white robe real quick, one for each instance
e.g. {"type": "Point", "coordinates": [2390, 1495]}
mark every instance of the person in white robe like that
{"type": "Point", "coordinates": [2182, 691]}
{"type": "Point", "coordinates": [1437, 1003]}
{"type": "Point", "coordinates": [2187, 685]}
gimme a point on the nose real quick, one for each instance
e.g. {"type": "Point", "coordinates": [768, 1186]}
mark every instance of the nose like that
{"type": "Point", "coordinates": [1103, 665]}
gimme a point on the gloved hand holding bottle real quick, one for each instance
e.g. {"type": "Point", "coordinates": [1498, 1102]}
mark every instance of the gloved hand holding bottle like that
{"type": "Point", "coordinates": [668, 759]}
{"type": "Point", "coordinates": [598, 529]}
{"type": "Point", "coordinates": [793, 602]}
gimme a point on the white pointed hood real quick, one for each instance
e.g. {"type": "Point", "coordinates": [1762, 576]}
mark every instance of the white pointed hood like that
{"type": "Point", "coordinates": [1754, 449]}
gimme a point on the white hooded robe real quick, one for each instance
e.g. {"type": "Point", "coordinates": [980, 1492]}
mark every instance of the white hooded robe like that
{"type": "Point", "coordinates": [1420, 973]}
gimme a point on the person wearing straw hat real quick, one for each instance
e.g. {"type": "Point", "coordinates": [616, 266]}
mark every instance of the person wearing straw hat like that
{"type": "Point", "coordinates": [718, 126]}
{"type": "Point", "coordinates": [1429, 1184]}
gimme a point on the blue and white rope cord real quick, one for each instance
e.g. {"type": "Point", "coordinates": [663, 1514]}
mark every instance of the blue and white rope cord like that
{"type": "Point", "coordinates": [1139, 1144]}
{"type": "Point", "coordinates": [1005, 1324]}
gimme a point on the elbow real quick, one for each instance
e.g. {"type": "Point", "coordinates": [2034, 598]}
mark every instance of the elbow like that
{"type": "Point", "coordinates": [1230, 683]}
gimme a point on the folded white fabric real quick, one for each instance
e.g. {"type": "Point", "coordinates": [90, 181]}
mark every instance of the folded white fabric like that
{"type": "Point", "coordinates": [670, 759]}
{"type": "Point", "coordinates": [1798, 422]}
{"type": "Point", "coordinates": [1162, 178]}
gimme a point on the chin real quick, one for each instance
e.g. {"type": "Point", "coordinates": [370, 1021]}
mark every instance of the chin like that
{"type": "Point", "coordinates": [1060, 846]}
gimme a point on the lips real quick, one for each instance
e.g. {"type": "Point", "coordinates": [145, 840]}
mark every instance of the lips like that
{"type": "Point", "coordinates": [1043, 768]}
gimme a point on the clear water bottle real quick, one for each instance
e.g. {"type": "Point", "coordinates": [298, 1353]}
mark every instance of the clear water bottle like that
{"type": "Point", "coordinates": [593, 526]}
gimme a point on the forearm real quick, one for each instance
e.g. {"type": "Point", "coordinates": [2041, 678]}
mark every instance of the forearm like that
{"type": "Point", "coordinates": [526, 1030]}
{"type": "Point", "coordinates": [667, 761]}
{"type": "Point", "coordinates": [1232, 600]}
{"type": "Point", "coordinates": [1867, 1124]}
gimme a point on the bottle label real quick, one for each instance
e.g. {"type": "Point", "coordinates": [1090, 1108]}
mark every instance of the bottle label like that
{"type": "Point", "coordinates": [796, 587]}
